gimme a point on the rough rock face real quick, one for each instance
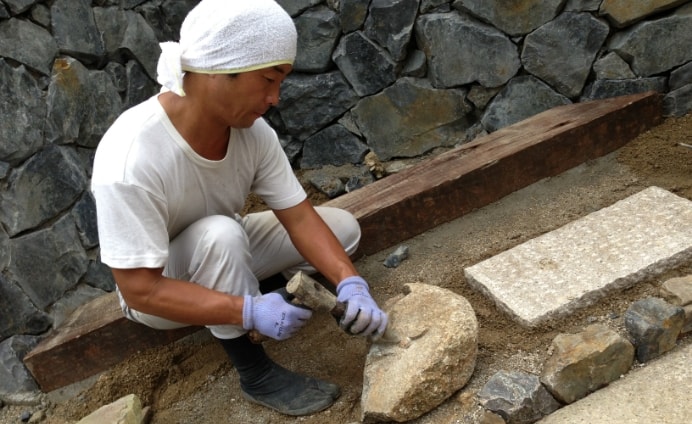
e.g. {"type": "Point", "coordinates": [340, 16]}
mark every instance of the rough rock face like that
{"type": "Point", "coordinates": [584, 362]}
{"type": "Point", "coordinates": [435, 357]}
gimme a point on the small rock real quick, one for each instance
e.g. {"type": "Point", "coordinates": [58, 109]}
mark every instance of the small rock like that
{"type": "Point", "coordinates": [403, 381]}
{"type": "Point", "coordinates": [25, 417]}
{"type": "Point", "coordinates": [584, 362]}
{"type": "Point", "coordinates": [395, 258]}
{"type": "Point", "coordinates": [654, 325]}
{"type": "Point", "coordinates": [518, 397]}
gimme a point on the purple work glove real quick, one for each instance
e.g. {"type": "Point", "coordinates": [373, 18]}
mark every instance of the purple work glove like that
{"type": "Point", "coordinates": [273, 315]}
{"type": "Point", "coordinates": [362, 317]}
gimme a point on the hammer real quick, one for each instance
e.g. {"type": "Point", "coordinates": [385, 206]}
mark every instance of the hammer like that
{"type": "Point", "coordinates": [311, 294]}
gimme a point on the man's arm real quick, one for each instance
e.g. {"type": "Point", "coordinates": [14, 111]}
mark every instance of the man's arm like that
{"type": "Point", "coordinates": [148, 291]}
{"type": "Point", "coordinates": [319, 246]}
{"type": "Point", "coordinates": [316, 242]}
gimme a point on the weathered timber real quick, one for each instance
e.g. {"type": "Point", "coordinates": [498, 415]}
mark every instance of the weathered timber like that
{"type": "Point", "coordinates": [94, 338]}
{"type": "Point", "coordinates": [481, 172]}
{"type": "Point", "coordinates": [391, 210]}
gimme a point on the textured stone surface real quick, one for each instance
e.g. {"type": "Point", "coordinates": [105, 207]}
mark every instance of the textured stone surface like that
{"type": "Point", "coordinates": [126, 410]}
{"type": "Point", "coordinates": [570, 267]}
{"type": "Point", "coordinates": [518, 397]}
{"type": "Point", "coordinates": [654, 325]}
{"type": "Point", "coordinates": [403, 381]}
{"type": "Point", "coordinates": [656, 393]}
{"type": "Point", "coordinates": [584, 362]}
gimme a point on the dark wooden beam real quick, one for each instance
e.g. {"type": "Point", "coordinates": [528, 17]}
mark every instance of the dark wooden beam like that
{"type": "Point", "coordinates": [476, 174]}
{"type": "Point", "coordinates": [94, 338]}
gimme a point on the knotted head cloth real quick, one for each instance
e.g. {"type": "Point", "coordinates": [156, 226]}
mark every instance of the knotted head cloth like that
{"type": "Point", "coordinates": [227, 37]}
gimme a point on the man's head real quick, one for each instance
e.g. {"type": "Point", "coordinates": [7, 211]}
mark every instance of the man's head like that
{"type": "Point", "coordinates": [228, 37]}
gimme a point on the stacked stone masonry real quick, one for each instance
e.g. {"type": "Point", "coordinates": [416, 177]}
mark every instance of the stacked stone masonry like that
{"type": "Point", "coordinates": [397, 78]}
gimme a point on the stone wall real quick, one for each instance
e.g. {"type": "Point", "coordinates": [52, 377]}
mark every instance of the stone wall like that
{"type": "Point", "coordinates": [395, 77]}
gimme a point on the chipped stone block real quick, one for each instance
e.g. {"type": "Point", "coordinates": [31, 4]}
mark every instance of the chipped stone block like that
{"type": "Point", "coordinates": [584, 362]}
{"type": "Point", "coordinates": [571, 267]}
{"type": "Point", "coordinates": [654, 325]}
{"type": "Point", "coordinates": [436, 358]}
{"type": "Point", "coordinates": [126, 410]}
{"type": "Point", "coordinates": [518, 397]}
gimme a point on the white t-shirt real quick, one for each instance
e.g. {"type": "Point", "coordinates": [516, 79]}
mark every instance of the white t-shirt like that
{"type": "Point", "coordinates": [149, 184]}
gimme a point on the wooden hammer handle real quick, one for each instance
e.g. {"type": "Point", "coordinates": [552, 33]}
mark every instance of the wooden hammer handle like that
{"type": "Point", "coordinates": [314, 295]}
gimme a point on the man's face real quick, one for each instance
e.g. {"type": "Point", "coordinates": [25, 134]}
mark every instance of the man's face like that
{"type": "Point", "coordinates": [240, 99]}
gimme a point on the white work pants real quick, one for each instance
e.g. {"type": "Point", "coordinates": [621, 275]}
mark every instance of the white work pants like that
{"type": "Point", "coordinates": [231, 255]}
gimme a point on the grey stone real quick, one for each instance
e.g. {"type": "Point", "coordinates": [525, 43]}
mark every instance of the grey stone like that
{"type": "Point", "coordinates": [402, 381]}
{"type": "Point", "coordinates": [63, 308]}
{"type": "Point", "coordinates": [680, 77]}
{"type": "Point", "coordinates": [678, 102]}
{"type": "Point", "coordinates": [16, 384]}
{"type": "Point", "coordinates": [582, 5]}
{"type": "Point", "coordinates": [511, 17]}
{"type": "Point", "coordinates": [480, 96]}
{"type": "Point", "coordinates": [603, 89]}
{"type": "Point", "coordinates": [18, 315]}
{"type": "Point", "coordinates": [49, 262]}
{"type": "Point", "coordinates": [292, 147]}
{"type": "Point", "coordinates": [40, 14]}
{"type": "Point", "coordinates": [457, 46]}
{"type": "Point", "coordinates": [165, 17]}
{"type": "Point", "coordinates": [84, 214]}
{"type": "Point", "coordinates": [329, 185]}
{"type": "Point", "coordinates": [310, 102]}
{"type": "Point", "coordinates": [99, 276]}
{"type": "Point", "coordinates": [19, 6]}
{"type": "Point", "coordinates": [521, 98]}
{"type": "Point", "coordinates": [561, 52]}
{"type": "Point", "coordinates": [416, 65]}
{"type": "Point", "coordinates": [427, 6]}
{"type": "Point", "coordinates": [623, 13]}
{"type": "Point", "coordinates": [139, 86]}
{"type": "Point", "coordinates": [584, 362]}
{"type": "Point", "coordinates": [4, 13]}
{"type": "Point", "coordinates": [611, 66]}
{"type": "Point", "coordinates": [75, 31]}
{"type": "Point", "coordinates": [334, 145]}
{"type": "Point", "coordinates": [654, 325]}
{"type": "Point", "coordinates": [82, 104]}
{"type": "Point", "coordinates": [126, 35]}
{"type": "Point", "coordinates": [390, 23]}
{"type": "Point", "coordinates": [352, 14]}
{"type": "Point", "coordinates": [28, 44]}
{"type": "Point", "coordinates": [671, 49]}
{"type": "Point", "coordinates": [411, 118]}
{"type": "Point", "coordinates": [318, 32]}
{"type": "Point", "coordinates": [366, 66]}
{"type": "Point", "coordinates": [395, 258]}
{"type": "Point", "coordinates": [518, 397]}
{"type": "Point", "coordinates": [296, 7]}
{"type": "Point", "coordinates": [118, 75]}
{"type": "Point", "coordinates": [26, 110]}
{"type": "Point", "coordinates": [44, 185]}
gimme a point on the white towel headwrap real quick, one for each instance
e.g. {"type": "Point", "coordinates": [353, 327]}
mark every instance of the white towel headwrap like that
{"type": "Point", "coordinates": [226, 37]}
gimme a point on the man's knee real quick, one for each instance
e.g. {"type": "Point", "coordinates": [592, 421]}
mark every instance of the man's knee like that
{"type": "Point", "coordinates": [344, 225]}
{"type": "Point", "coordinates": [223, 236]}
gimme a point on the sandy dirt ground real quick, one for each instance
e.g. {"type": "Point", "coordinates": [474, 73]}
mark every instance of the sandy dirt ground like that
{"type": "Point", "coordinates": [191, 381]}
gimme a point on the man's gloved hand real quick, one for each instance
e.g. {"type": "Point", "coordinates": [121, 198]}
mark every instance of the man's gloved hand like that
{"type": "Point", "coordinates": [362, 317]}
{"type": "Point", "coordinates": [273, 315]}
